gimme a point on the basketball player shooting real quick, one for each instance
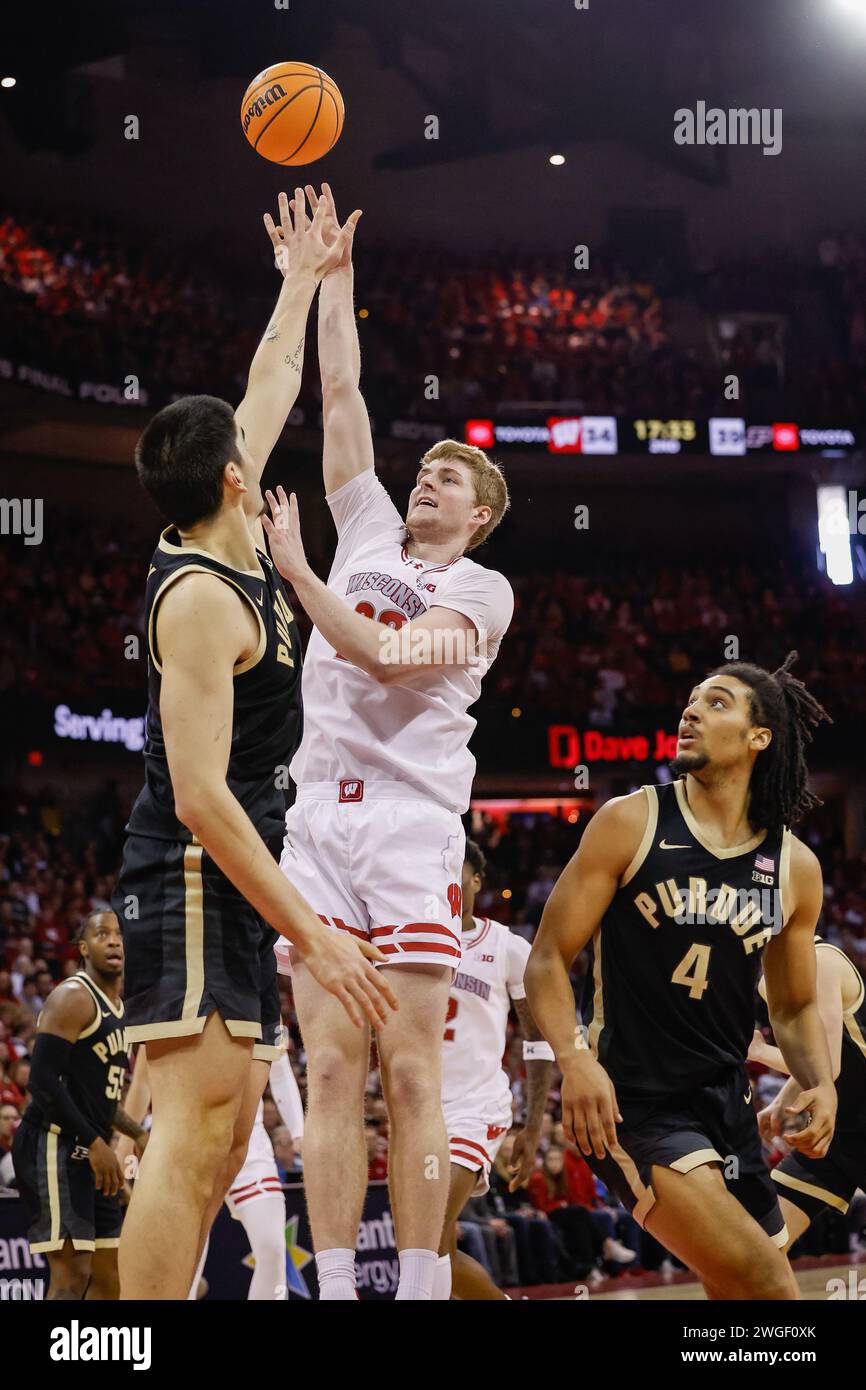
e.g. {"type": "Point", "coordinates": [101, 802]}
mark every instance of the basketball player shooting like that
{"type": "Point", "coordinates": [200, 895]}
{"type": "Point", "coordinates": [682, 890]}
{"type": "Point", "coordinates": [374, 840]}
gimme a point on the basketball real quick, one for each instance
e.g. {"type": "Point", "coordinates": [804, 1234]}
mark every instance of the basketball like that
{"type": "Point", "coordinates": [292, 113]}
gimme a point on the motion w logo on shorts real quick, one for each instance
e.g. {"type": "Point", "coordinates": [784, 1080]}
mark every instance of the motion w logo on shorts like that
{"type": "Point", "coordinates": [351, 791]}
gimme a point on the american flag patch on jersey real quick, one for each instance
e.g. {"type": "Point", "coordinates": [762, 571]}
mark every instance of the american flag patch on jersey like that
{"type": "Point", "coordinates": [767, 866]}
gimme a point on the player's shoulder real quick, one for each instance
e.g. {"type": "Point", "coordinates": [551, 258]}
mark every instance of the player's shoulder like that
{"type": "Point", "coordinates": [507, 938]}
{"type": "Point", "coordinates": [467, 568]}
{"type": "Point", "coordinates": [628, 812]}
{"type": "Point", "coordinates": [70, 1001]}
{"type": "Point", "coordinates": [201, 601]}
{"type": "Point", "coordinates": [805, 867]}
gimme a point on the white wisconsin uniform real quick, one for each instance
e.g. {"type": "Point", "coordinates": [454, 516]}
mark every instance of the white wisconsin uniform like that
{"type": "Point", "coordinates": [476, 1092]}
{"type": "Point", "coordinates": [374, 841]}
{"type": "Point", "coordinates": [259, 1176]}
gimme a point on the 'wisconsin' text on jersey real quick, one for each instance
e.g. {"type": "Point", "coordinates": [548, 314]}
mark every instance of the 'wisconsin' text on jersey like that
{"type": "Point", "coordinates": [395, 590]}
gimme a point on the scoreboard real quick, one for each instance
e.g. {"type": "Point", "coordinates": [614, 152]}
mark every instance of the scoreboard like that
{"type": "Point", "coordinates": [609, 434]}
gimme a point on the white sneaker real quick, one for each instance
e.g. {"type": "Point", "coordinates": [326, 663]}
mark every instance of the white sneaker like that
{"type": "Point", "coordinates": [616, 1251]}
{"type": "Point", "coordinates": [666, 1268]}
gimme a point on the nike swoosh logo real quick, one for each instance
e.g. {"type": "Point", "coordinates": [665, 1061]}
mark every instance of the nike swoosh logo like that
{"type": "Point", "coordinates": [748, 1097]}
{"type": "Point", "coordinates": [260, 599]}
{"type": "Point", "coordinates": [151, 571]}
{"type": "Point", "coordinates": [663, 844]}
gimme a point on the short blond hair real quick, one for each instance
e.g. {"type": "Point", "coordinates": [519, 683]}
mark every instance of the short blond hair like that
{"type": "Point", "coordinates": [491, 489]}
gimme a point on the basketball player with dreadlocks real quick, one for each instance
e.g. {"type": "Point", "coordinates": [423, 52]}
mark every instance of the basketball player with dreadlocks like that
{"type": "Point", "coordinates": [683, 891]}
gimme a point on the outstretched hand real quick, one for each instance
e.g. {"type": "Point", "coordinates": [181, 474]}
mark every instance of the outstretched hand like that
{"type": "Point", "coordinates": [284, 534]}
{"type": "Point", "coordinates": [319, 244]}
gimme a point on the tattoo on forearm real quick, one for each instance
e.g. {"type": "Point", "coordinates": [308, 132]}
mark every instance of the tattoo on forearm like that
{"type": "Point", "coordinates": [124, 1124]}
{"type": "Point", "coordinates": [272, 334]}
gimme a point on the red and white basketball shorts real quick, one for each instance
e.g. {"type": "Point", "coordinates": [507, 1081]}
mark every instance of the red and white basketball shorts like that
{"type": "Point", "coordinates": [473, 1140]}
{"type": "Point", "coordinates": [386, 867]}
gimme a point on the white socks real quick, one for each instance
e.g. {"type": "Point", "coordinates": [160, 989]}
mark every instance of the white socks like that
{"type": "Point", "coordinates": [417, 1273]}
{"type": "Point", "coordinates": [192, 1296]}
{"type": "Point", "coordinates": [336, 1270]}
{"type": "Point", "coordinates": [442, 1280]}
{"type": "Point", "coordinates": [424, 1277]}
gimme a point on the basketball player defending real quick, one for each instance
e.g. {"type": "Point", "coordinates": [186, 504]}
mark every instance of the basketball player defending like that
{"type": "Point", "coordinates": [374, 840]}
{"type": "Point", "coordinates": [200, 895]}
{"type": "Point", "coordinates": [680, 889]}
{"type": "Point", "coordinates": [476, 1092]}
{"type": "Point", "coordinates": [808, 1185]}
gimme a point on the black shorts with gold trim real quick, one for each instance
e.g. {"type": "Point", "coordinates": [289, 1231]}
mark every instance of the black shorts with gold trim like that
{"type": "Point", "coordinates": [58, 1193]}
{"type": "Point", "coordinates": [193, 945]}
{"type": "Point", "coordinates": [815, 1183]}
{"type": "Point", "coordinates": [712, 1124]}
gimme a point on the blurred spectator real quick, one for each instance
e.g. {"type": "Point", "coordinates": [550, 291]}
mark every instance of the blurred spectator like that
{"type": "Point", "coordinates": [540, 1257]}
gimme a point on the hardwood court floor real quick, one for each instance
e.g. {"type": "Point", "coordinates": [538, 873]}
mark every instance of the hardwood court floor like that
{"type": "Point", "coordinates": [812, 1277]}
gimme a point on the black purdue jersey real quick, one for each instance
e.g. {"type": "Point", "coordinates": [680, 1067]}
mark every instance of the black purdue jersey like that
{"type": "Point", "coordinates": [670, 999]}
{"type": "Point", "coordinates": [97, 1067]}
{"type": "Point", "coordinates": [267, 716]}
{"type": "Point", "coordinates": [851, 1081]}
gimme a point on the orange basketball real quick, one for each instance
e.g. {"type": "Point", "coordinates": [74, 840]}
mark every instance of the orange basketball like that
{"type": "Point", "coordinates": [292, 113]}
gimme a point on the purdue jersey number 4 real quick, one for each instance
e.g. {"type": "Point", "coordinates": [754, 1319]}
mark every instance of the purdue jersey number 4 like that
{"type": "Point", "coordinates": [669, 1001]}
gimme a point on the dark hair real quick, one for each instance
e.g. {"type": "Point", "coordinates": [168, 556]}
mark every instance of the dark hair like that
{"type": "Point", "coordinates": [475, 855]}
{"type": "Point", "coordinates": [89, 921]}
{"type": "Point", "coordinates": [181, 456]}
{"type": "Point", "coordinates": [779, 702]}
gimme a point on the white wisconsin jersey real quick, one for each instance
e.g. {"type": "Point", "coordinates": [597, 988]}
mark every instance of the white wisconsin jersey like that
{"type": "Point", "coordinates": [418, 735]}
{"type": "Point", "coordinates": [490, 976]}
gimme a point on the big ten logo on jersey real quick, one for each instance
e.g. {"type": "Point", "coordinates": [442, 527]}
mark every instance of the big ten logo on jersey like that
{"type": "Point", "coordinates": [284, 617]}
{"type": "Point", "coordinates": [741, 909]}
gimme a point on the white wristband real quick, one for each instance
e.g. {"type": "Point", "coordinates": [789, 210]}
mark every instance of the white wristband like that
{"type": "Point", "coordinates": [538, 1051]}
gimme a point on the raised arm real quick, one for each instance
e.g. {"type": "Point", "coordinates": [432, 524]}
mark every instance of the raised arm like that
{"type": "Point", "coordinates": [348, 448]}
{"type": "Point", "coordinates": [573, 911]}
{"type": "Point", "coordinates": [203, 630]}
{"type": "Point", "coordinates": [276, 369]}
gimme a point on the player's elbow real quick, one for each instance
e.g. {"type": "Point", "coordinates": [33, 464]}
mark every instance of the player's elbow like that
{"type": "Point", "coordinates": [193, 804]}
{"type": "Point", "coordinates": [339, 386]}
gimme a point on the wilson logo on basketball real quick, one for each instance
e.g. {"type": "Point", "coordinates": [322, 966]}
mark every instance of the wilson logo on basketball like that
{"type": "Point", "coordinates": [262, 103]}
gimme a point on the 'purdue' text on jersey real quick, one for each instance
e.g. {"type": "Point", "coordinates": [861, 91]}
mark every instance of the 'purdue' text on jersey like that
{"type": "Point", "coordinates": [267, 714]}
{"type": "Point", "coordinates": [669, 1000]}
{"type": "Point", "coordinates": [97, 1066]}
